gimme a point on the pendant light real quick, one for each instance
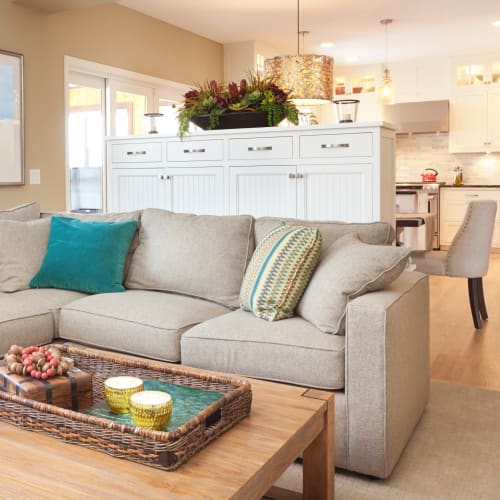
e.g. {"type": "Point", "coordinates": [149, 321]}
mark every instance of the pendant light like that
{"type": "Point", "coordinates": [386, 91]}
{"type": "Point", "coordinates": [309, 77]}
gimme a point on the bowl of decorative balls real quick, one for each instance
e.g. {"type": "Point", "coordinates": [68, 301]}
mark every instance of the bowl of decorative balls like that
{"type": "Point", "coordinates": [39, 362]}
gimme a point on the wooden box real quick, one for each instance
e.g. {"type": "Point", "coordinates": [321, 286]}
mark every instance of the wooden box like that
{"type": "Point", "coordinates": [72, 391]}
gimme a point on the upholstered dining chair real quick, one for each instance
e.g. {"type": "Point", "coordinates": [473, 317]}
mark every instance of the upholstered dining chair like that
{"type": "Point", "coordinates": [468, 255]}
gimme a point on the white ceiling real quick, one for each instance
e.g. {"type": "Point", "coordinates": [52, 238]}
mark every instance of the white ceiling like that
{"type": "Point", "coordinates": [421, 28]}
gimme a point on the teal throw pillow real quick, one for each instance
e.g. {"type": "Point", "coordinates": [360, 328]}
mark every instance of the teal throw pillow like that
{"type": "Point", "coordinates": [85, 256]}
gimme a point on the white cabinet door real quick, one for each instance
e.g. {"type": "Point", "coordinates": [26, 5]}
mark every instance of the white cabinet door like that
{"type": "Point", "coordinates": [335, 192]}
{"type": "Point", "coordinates": [136, 188]}
{"type": "Point", "coordinates": [468, 119]}
{"type": "Point", "coordinates": [494, 117]}
{"type": "Point", "coordinates": [195, 190]}
{"type": "Point", "coordinates": [263, 191]}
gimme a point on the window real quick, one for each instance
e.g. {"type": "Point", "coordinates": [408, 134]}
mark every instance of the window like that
{"type": "Point", "coordinates": [86, 142]}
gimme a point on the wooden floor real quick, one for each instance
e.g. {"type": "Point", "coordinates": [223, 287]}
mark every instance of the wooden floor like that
{"type": "Point", "coordinates": [459, 353]}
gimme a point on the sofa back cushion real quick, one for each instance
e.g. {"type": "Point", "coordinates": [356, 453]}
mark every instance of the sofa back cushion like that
{"type": "Point", "coordinates": [26, 212]}
{"type": "Point", "coordinates": [375, 233]}
{"type": "Point", "coordinates": [22, 249]}
{"type": "Point", "coordinates": [202, 256]}
{"type": "Point", "coordinates": [349, 268]}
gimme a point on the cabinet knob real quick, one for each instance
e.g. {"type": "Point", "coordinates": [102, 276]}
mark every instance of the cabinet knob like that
{"type": "Point", "coordinates": [300, 176]}
{"type": "Point", "coordinates": [168, 177]}
{"type": "Point", "coordinates": [487, 143]}
{"type": "Point", "coordinates": [161, 177]}
{"type": "Point", "coordinates": [291, 176]}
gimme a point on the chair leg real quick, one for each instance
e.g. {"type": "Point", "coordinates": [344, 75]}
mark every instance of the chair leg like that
{"type": "Point", "coordinates": [474, 301]}
{"type": "Point", "coordinates": [482, 304]}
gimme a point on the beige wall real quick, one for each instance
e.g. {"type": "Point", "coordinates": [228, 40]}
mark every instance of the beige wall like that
{"type": "Point", "coordinates": [108, 34]}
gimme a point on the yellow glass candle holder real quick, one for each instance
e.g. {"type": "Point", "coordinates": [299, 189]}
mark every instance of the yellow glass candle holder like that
{"type": "Point", "coordinates": [117, 391]}
{"type": "Point", "coordinates": [151, 409]}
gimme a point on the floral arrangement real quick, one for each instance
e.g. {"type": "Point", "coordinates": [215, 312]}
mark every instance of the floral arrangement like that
{"type": "Point", "coordinates": [255, 94]}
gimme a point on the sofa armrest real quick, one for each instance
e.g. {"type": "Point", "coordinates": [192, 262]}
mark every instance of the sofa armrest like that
{"type": "Point", "coordinates": [387, 371]}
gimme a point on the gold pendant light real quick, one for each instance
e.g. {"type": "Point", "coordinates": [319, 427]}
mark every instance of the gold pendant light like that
{"type": "Point", "coordinates": [309, 77]}
{"type": "Point", "coordinates": [386, 91]}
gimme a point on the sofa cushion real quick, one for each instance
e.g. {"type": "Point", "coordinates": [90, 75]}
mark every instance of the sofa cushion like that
{"type": "Point", "coordinates": [26, 212]}
{"type": "Point", "coordinates": [85, 256]}
{"type": "Point", "coordinates": [292, 350]}
{"type": "Point", "coordinates": [27, 317]}
{"type": "Point", "coordinates": [199, 255]}
{"type": "Point", "coordinates": [139, 322]}
{"type": "Point", "coordinates": [279, 271]}
{"type": "Point", "coordinates": [111, 217]}
{"type": "Point", "coordinates": [349, 268]}
{"type": "Point", "coordinates": [22, 249]}
{"type": "Point", "coordinates": [376, 233]}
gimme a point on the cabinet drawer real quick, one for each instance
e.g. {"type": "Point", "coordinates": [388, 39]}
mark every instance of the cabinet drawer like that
{"type": "Point", "coordinates": [466, 195]}
{"type": "Point", "coordinates": [261, 148]}
{"type": "Point", "coordinates": [195, 150]}
{"type": "Point", "coordinates": [336, 145]}
{"type": "Point", "coordinates": [136, 152]}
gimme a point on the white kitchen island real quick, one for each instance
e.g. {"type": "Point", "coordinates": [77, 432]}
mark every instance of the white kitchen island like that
{"type": "Point", "coordinates": [337, 172]}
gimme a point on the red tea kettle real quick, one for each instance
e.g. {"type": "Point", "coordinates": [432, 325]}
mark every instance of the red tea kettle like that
{"type": "Point", "coordinates": [429, 175]}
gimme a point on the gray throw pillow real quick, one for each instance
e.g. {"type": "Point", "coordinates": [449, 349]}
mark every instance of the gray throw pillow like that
{"type": "Point", "coordinates": [22, 249]}
{"type": "Point", "coordinates": [347, 269]}
{"type": "Point", "coordinates": [26, 212]}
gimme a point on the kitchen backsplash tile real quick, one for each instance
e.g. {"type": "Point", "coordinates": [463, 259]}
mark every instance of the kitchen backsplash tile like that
{"type": "Point", "coordinates": [417, 152]}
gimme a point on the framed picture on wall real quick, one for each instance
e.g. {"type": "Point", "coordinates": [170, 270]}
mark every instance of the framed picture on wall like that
{"type": "Point", "coordinates": [11, 118]}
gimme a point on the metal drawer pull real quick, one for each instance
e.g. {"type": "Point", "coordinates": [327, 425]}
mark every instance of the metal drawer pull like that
{"type": "Point", "coordinates": [131, 153]}
{"type": "Point", "coordinates": [472, 195]}
{"type": "Point", "coordinates": [200, 150]}
{"type": "Point", "coordinates": [334, 146]}
{"type": "Point", "coordinates": [291, 176]}
{"type": "Point", "coordinates": [260, 148]}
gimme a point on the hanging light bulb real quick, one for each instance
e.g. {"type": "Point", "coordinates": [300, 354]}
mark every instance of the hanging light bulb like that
{"type": "Point", "coordinates": [309, 77]}
{"type": "Point", "coordinates": [386, 90]}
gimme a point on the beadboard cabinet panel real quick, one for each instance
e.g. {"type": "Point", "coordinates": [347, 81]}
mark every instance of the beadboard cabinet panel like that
{"type": "Point", "coordinates": [335, 192]}
{"type": "Point", "coordinates": [334, 172]}
{"type": "Point", "coordinates": [129, 188]}
{"type": "Point", "coordinates": [263, 191]}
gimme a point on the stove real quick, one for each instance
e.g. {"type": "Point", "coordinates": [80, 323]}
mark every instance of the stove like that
{"type": "Point", "coordinates": [417, 215]}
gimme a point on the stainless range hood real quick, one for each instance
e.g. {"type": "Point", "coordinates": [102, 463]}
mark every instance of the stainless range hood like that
{"type": "Point", "coordinates": [418, 117]}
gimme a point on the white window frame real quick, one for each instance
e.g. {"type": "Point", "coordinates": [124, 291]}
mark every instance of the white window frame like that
{"type": "Point", "coordinates": [125, 79]}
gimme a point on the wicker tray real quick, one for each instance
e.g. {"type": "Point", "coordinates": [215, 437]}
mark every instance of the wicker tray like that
{"type": "Point", "coordinates": [163, 450]}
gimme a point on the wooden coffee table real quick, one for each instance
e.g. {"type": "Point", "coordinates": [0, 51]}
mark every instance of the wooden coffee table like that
{"type": "Point", "coordinates": [243, 463]}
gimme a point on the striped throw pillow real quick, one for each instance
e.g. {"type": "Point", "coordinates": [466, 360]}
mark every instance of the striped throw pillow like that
{"type": "Point", "coordinates": [279, 271]}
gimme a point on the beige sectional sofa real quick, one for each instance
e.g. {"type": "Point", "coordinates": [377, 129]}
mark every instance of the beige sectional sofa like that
{"type": "Point", "coordinates": [181, 305]}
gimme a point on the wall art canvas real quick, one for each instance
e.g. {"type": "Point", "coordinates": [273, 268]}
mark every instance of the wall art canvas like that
{"type": "Point", "coordinates": [11, 118]}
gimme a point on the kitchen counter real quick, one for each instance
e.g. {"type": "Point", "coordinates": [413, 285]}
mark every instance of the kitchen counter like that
{"type": "Point", "coordinates": [472, 186]}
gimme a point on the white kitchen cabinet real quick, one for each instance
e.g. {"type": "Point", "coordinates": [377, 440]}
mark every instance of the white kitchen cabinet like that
{"type": "Point", "coordinates": [335, 192]}
{"type": "Point", "coordinates": [474, 109]}
{"type": "Point", "coordinates": [263, 190]}
{"type": "Point", "coordinates": [134, 188]}
{"type": "Point", "coordinates": [454, 202]}
{"type": "Point", "coordinates": [341, 172]}
{"type": "Point", "coordinates": [195, 190]}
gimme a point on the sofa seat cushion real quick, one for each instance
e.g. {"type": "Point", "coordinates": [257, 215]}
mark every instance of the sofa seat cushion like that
{"type": "Point", "coordinates": [29, 317]}
{"type": "Point", "coordinates": [139, 322]}
{"type": "Point", "coordinates": [291, 350]}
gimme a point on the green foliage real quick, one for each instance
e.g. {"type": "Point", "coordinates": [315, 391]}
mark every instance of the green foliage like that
{"type": "Point", "coordinates": [255, 94]}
